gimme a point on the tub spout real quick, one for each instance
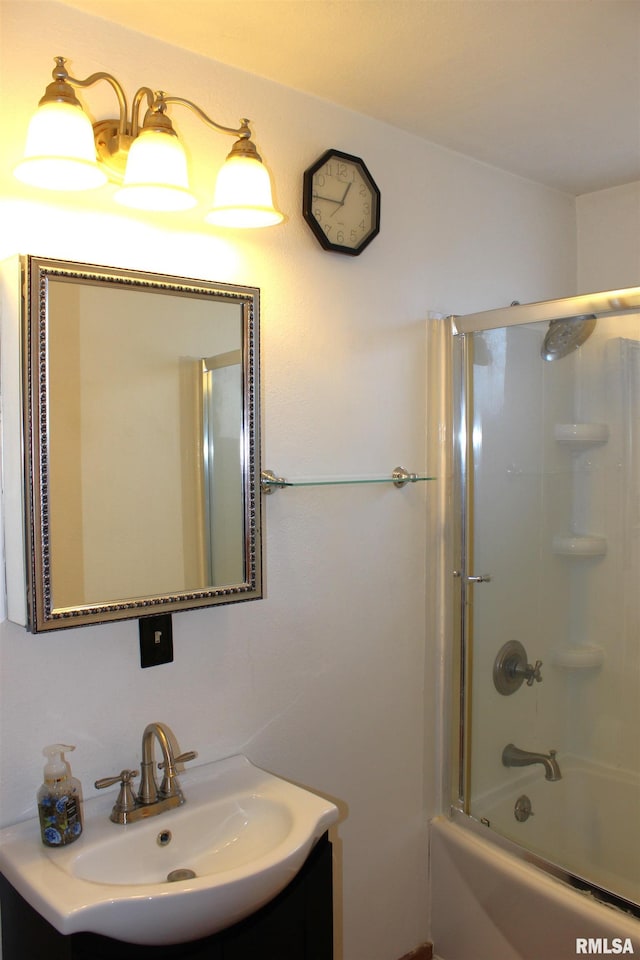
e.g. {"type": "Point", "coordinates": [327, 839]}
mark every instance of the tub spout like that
{"type": "Point", "coordinates": [512, 756]}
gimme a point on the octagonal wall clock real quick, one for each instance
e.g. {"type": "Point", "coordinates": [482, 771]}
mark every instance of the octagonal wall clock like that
{"type": "Point", "coordinates": [341, 202]}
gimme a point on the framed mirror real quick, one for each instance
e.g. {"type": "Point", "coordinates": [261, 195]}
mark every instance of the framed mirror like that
{"type": "Point", "coordinates": [141, 439]}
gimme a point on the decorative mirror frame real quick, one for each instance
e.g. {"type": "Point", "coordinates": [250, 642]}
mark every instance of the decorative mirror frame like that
{"type": "Point", "coordinates": [41, 613]}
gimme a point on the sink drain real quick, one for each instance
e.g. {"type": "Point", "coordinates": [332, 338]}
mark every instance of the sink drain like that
{"type": "Point", "coordinates": [182, 874]}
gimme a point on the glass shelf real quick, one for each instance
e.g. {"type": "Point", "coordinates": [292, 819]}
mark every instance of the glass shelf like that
{"type": "Point", "coordinates": [399, 478]}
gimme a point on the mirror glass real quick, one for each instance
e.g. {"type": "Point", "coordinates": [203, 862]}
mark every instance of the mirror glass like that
{"type": "Point", "coordinates": [141, 414]}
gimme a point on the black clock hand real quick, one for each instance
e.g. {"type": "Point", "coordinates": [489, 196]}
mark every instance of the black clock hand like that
{"type": "Point", "coordinates": [317, 196]}
{"type": "Point", "coordinates": [344, 197]}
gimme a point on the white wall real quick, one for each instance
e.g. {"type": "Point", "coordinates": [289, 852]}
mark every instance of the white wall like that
{"type": "Point", "coordinates": [330, 680]}
{"type": "Point", "coordinates": [608, 224]}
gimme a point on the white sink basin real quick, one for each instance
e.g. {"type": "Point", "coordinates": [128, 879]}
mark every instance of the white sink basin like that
{"type": "Point", "coordinates": [244, 834]}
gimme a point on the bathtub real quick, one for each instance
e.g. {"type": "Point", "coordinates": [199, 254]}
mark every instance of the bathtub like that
{"type": "Point", "coordinates": [588, 822]}
{"type": "Point", "coordinates": [487, 903]}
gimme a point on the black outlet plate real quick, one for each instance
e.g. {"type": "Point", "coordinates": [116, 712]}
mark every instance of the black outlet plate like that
{"type": "Point", "coordinates": [156, 640]}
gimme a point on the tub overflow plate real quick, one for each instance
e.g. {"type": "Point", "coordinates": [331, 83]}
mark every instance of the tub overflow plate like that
{"type": "Point", "coordinates": [522, 810]}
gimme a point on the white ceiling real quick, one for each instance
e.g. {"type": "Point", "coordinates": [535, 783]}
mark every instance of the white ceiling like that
{"type": "Point", "coordinates": [548, 89]}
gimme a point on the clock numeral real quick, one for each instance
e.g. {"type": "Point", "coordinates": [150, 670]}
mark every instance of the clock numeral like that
{"type": "Point", "coordinates": [366, 208]}
{"type": "Point", "coordinates": [335, 171]}
{"type": "Point", "coordinates": [340, 236]}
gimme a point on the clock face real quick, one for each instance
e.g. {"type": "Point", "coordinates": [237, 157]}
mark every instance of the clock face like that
{"type": "Point", "coordinates": [341, 202]}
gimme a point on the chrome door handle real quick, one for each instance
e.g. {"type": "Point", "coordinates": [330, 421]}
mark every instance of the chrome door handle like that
{"type": "Point", "coordinates": [483, 578]}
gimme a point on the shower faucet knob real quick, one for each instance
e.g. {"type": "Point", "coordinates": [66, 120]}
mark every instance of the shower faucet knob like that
{"type": "Point", "coordinates": [533, 673]}
{"type": "Point", "coordinates": [511, 668]}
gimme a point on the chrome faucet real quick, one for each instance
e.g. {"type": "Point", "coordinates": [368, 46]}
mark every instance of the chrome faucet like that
{"type": "Point", "coordinates": [512, 756]}
{"type": "Point", "coordinates": [149, 791]}
{"type": "Point", "coordinates": [151, 799]}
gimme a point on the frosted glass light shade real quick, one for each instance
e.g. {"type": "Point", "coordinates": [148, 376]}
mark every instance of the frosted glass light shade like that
{"type": "Point", "coordinates": [242, 196]}
{"type": "Point", "coordinates": [60, 152]}
{"type": "Point", "coordinates": [156, 177]}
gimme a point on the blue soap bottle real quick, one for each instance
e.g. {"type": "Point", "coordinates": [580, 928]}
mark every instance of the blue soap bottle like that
{"type": "Point", "coordinates": [59, 799]}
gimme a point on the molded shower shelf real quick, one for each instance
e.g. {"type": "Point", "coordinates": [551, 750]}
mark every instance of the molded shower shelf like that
{"type": "Point", "coordinates": [581, 436]}
{"type": "Point", "coordinates": [578, 658]}
{"type": "Point", "coordinates": [579, 546]}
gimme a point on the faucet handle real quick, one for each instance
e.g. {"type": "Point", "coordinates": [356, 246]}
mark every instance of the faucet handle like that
{"type": "Point", "coordinates": [511, 668]}
{"type": "Point", "coordinates": [533, 673]}
{"type": "Point", "coordinates": [124, 777]}
{"type": "Point", "coordinates": [181, 758]}
{"type": "Point", "coordinates": [126, 798]}
{"type": "Point", "coordinates": [170, 786]}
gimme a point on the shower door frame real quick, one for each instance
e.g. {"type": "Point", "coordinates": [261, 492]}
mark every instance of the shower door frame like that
{"type": "Point", "coordinates": [465, 579]}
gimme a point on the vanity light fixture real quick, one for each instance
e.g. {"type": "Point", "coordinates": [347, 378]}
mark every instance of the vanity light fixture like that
{"type": "Point", "coordinates": [64, 151]}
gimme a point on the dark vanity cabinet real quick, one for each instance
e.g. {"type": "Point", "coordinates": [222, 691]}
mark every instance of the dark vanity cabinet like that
{"type": "Point", "coordinates": [296, 925]}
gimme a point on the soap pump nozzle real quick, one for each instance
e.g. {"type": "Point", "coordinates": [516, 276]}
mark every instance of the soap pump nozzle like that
{"type": "Point", "coordinates": [56, 768]}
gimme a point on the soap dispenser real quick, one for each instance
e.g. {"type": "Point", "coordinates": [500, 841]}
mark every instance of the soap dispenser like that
{"type": "Point", "coordinates": [59, 799]}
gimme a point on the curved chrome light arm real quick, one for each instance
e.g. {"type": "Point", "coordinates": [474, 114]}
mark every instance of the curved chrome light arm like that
{"type": "Point", "coordinates": [135, 109]}
{"type": "Point", "coordinates": [243, 131]}
{"type": "Point", "coordinates": [60, 74]}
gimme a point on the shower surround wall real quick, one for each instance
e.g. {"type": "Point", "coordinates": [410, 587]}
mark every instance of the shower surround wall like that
{"type": "Point", "coordinates": [604, 708]}
{"type": "Point", "coordinates": [556, 469]}
{"type": "Point", "coordinates": [331, 679]}
{"type": "Point", "coordinates": [545, 493]}
{"type": "Point", "coordinates": [518, 496]}
{"type": "Point", "coordinates": [609, 259]}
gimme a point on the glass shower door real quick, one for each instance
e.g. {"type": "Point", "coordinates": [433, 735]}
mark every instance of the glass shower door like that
{"type": "Point", "coordinates": [550, 584]}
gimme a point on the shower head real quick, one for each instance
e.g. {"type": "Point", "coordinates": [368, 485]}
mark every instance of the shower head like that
{"type": "Point", "coordinates": [566, 335]}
